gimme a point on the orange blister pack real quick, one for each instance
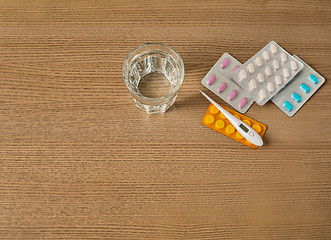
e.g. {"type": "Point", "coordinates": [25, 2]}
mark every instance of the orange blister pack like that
{"type": "Point", "coordinates": [215, 120]}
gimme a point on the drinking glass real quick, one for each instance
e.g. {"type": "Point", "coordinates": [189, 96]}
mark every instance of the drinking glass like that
{"type": "Point", "coordinates": [153, 72]}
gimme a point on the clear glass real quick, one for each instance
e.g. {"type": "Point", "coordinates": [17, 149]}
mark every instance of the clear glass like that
{"type": "Point", "coordinates": [153, 73]}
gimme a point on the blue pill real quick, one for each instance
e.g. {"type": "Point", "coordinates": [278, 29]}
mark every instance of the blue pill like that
{"type": "Point", "coordinates": [296, 97]}
{"type": "Point", "coordinates": [304, 88]}
{"type": "Point", "coordinates": [288, 106]}
{"type": "Point", "coordinates": [313, 78]}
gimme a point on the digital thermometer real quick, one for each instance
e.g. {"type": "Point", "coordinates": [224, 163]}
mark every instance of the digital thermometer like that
{"type": "Point", "coordinates": [245, 130]}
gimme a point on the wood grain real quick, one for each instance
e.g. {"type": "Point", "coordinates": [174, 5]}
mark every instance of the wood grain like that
{"type": "Point", "coordinates": [80, 161]}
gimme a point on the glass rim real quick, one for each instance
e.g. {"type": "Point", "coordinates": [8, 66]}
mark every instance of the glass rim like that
{"type": "Point", "coordinates": [125, 67]}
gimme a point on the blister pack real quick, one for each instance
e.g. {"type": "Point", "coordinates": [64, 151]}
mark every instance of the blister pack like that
{"type": "Point", "coordinates": [299, 90]}
{"type": "Point", "coordinates": [218, 81]}
{"type": "Point", "coordinates": [267, 72]}
{"type": "Point", "coordinates": [215, 120]}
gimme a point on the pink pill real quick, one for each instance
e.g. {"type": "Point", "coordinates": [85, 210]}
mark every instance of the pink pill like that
{"type": "Point", "coordinates": [232, 95]}
{"type": "Point", "coordinates": [222, 87]}
{"type": "Point", "coordinates": [225, 62]}
{"type": "Point", "coordinates": [235, 68]}
{"type": "Point", "coordinates": [242, 102]}
{"type": "Point", "coordinates": [211, 80]}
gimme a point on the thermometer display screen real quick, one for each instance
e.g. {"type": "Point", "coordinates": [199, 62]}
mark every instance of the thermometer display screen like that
{"type": "Point", "coordinates": [243, 127]}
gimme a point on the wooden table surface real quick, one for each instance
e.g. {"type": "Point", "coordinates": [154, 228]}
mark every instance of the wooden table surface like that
{"type": "Point", "coordinates": [80, 161]}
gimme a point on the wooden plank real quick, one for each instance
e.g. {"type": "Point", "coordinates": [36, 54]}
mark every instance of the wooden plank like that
{"type": "Point", "coordinates": [78, 160]}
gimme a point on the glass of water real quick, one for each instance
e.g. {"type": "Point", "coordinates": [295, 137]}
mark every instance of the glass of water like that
{"type": "Point", "coordinates": [153, 72]}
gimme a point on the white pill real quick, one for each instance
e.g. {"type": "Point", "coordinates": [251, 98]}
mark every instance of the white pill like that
{"type": "Point", "coordinates": [250, 68]}
{"type": "Point", "coordinates": [270, 87]}
{"type": "Point", "coordinates": [242, 75]}
{"type": "Point", "coordinates": [275, 63]}
{"type": "Point", "coordinates": [283, 56]}
{"type": "Point", "coordinates": [252, 85]}
{"type": "Point", "coordinates": [273, 48]}
{"type": "Point", "coordinates": [294, 65]}
{"type": "Point", "coordinates": [278, 80]}
{"type": "Point", "coordinates": [258, 61]}
{"type": "Point", "coordinates": [286, 72]}
{"type": "Point", "coordinates": [267, 71]}
{"type": "Point", "coordinates": [262, 94]}
{"type": "Point", "coordinates": [266, 55]}
{"type": "Point", "coordinates": [260, 77]}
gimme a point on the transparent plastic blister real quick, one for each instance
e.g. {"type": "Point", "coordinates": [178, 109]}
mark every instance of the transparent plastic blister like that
{"type": "Point", "coordinates": [267, 72]}
{"type": "Point", "coordinates": [218, 81]}
{"type": "Point", "coordinates": [299, 90]}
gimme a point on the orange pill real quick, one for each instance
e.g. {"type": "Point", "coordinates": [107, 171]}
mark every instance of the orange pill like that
{"type": "Point", "coordinates": [222, 116]}
{"type": "Point", "coordinates": [257, 128]}
{"type": "Point", "coordinates": [214, 109]}
{"type": "Point", "coordinates": [239, 136]}
{"type": "Point", "coordinates": [230, 129]}
{"type": "Point", "coordinates": [219, 124]}
{"type": "Point", "coordinates": [237, 116]}
{"type": "Point", "coordinates": [249, 143]}
{"type": "Point", "coordinates": [247, 122]}
{"type": "Point", "coordinates": [209, 119]}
